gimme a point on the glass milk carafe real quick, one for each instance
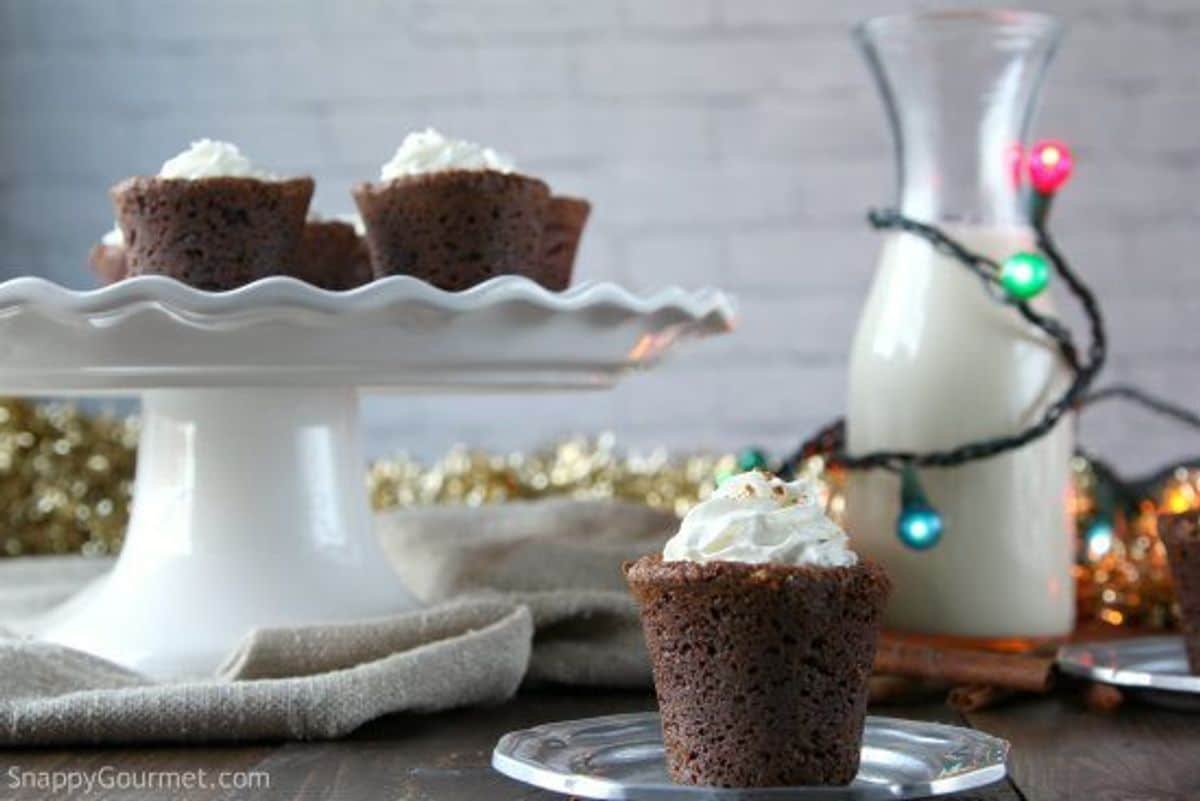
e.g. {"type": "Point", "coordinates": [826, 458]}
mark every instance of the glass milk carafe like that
{"type": "Point", "coordinates": [936, 362]}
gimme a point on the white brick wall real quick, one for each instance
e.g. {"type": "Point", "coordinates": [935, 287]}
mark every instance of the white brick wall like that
{"type": "Point", "coordinates": [731, 142]}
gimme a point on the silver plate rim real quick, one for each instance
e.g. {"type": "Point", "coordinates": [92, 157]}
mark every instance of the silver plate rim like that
{"type": "Point", "coordinates": [1109, 661]}
{"type": "Point", "coordinates": [546, 778]}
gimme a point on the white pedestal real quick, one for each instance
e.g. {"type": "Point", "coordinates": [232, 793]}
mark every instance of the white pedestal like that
{"type": "Point", "coordinates": [250, 510]}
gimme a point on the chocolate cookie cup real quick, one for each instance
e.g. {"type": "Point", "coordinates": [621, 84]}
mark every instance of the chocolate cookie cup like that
{"type": "Point", "coordinates": [107, 262]}
{"type": "Point", "coordinates": [1181, 536]}
{"type": "Point", "coordinates": [565, 220]}
{"type": "Point", "coordinates": [333, 256]}
{"type": "Point", "coordinates": [760, 669]}
{"type": "Point", "coordinates": [212, 233]}
{"type": "Point", "coordinates": [455, 228]}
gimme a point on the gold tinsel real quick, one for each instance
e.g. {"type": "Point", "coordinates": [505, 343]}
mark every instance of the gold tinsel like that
{"type": "Point", "coordinates": [1121, 569]}
{"type": "Point", "coordinates": [65, 479]}
{"type": "Point", "coordinates": [580, 467]}
{"type": "Point", "coordinates": [66, 483]}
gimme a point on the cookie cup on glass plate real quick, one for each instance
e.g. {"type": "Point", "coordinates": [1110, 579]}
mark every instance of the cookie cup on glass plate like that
{"type": "Point", "coordinates": [760, 669]}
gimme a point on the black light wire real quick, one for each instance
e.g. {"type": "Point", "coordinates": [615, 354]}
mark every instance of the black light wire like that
{"type": "Point", "coordinates": [830, 441]}
{"type": "Point", "coordinates": [1135, 488]}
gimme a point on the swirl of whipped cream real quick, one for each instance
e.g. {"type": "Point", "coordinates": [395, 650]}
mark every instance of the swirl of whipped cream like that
{"type": "Point", "coordinates": [428, 151]}
{"type": "Point", "coordinates": [114, 238]}
{"type": "Point", "coordinates": [208, 158]}
{"type": "Point", "coordinates": [758, 518]}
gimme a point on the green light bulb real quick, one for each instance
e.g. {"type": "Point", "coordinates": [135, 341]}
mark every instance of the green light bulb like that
{"type": "Point", "coordinates": [1024, 275]}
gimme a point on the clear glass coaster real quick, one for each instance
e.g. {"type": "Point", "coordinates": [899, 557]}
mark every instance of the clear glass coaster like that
{"type": "Point", "coordinates": [1153, 668]}
{"type": "Point", "coordinates": [621, 757]}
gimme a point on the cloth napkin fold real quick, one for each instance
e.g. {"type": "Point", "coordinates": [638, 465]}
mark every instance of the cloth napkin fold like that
{"type": "Point", "coordinates": [524, 592]}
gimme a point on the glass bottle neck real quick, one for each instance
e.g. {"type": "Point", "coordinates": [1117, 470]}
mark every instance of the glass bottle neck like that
{"type": "Point", "coordinates": [960, 88]}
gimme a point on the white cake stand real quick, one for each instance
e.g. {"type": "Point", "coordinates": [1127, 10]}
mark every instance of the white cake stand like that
{"type": "Point", "coordinates": [250, 507]}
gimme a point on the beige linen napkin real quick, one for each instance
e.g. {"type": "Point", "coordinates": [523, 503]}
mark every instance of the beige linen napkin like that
{"type": "Point", "coordinates": [561, 558]}
{"type": "Point", "coordinates": [520, 592]}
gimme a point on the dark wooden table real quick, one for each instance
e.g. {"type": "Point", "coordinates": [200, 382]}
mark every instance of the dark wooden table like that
{"type": "Point", "coordinates": [1060, 751]}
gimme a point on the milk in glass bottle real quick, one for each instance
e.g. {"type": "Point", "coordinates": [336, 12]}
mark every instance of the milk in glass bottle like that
{"type": "Point", "coordinates": [937, 362]}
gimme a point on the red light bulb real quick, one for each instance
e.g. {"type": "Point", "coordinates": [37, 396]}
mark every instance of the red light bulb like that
{"type": "Point", "coordinates": [1050, 165]}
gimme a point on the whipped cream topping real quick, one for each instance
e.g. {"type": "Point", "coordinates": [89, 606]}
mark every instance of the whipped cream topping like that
{"type": "Point", "coordinates": [208, 158]}
{"type": "Point", "coordinates": [758, 518]}
{"type": "Point", "coordinates": [428, 151]}
{"type": "Point", "coordinates": [114, 238]}
{"type": "Point", "coordinates": [205, 158]}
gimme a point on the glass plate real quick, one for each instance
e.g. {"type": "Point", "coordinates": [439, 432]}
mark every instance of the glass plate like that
{"type": "Point", "coordinates": [1154, 668]}
{"type": "Point", "coordinates": [621, 757]}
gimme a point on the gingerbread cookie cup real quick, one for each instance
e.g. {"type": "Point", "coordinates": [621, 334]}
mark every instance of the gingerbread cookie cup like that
{"type": "Point", "coordinates": [565, 220]}
{"type": "Point", "coordinates": [213, 233]}
{"type": "Point", "coordinates": [760, 669]}
{"type": "Point", "coordinates": [1181, 536]}
{"type": "Point", "coordinates": [455, 228]}
{"type": "Point", "coordinates": [333, 256]}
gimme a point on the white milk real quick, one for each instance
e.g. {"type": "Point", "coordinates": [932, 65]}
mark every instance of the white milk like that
{"type": "Point", "coordinates": [936, 362]}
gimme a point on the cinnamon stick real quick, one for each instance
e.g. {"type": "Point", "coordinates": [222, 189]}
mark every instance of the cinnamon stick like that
{"type": "Point", "coordinates": [1102, 697]}
{"type": "Point", "coordinates": [974, 697]}
{"type": "Point", "coordinates": [901, 689]}
{"type": "Point", "coordinates": [962, 666]}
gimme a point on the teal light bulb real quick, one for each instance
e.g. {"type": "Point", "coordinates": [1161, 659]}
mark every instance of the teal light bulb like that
{"type": "Point", "coordinates": [1098, 539]}
{"type": "Point", "coordinates": [751, 459]}
{"type": "Point", "coordinates": [919, 526]}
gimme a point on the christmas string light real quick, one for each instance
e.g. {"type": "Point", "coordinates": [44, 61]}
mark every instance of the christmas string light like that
{"type": "Point", "coordinates": [1024, 275]}
{"type": "Point", "coordinates": [1050, 166]}
{"type": "Point", "coordinates": [1124, 494]}
{"type": "Point", "coordinates": [919, 526]}
{"type": "Point", "coordinates": [1021, 277]}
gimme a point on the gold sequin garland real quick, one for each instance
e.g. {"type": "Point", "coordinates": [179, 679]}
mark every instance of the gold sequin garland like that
{"type": "Point", "coordinates": [1121, 571]}
{"type": "Point", "coordinates": [65, 479]}
{"type": "Point", "coordinates": [66, 482]}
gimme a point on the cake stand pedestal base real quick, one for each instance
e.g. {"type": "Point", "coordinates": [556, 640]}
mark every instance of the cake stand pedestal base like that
{"type": "Point", "coordinates": [250, 510]}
